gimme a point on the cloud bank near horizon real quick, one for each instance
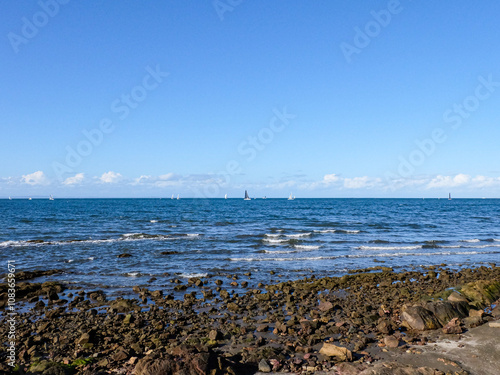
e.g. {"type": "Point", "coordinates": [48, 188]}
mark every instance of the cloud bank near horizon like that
{"type": "Point", "coordinates": [212, 185]}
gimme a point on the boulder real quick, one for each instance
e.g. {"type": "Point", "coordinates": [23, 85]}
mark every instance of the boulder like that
{"type": "Point", "coordinates": [418, 318]}
{"type": "Point", "coordinates": [481, 293]}
{"type": "Point", "coordinates": [446, 311]}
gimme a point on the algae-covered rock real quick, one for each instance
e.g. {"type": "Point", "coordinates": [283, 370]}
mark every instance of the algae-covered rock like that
{"type": "Point", "coordinates": [481, 293]}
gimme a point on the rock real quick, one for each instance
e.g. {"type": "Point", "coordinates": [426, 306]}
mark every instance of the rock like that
{"type": "Point", "coordinates": [264, 366]}
{"type": "Point", "coordinates": [262, 328]}
{"type": "Point", "coordinates": [393, 368]}
{"type": "Point", "coordinates": [169, 252]}
{"type": "Point", "coordinates": [494, 324]}
{"type": "Point", "coordinates": [215, 335]}
{"type": "Point", "coordinates": [84, 339]}
{"type": "Point", "coordinates": [129, 318]}
{"type": "Point", "coordinates": [325, 306]}
{"type": "Point", "coordinates": [474, 312]}
{"type": "Point", "coordinates": [124, 255]}
{"type": "Point", "coordinates": [473, 321]}
{"type": "Point", "coordinates": [453, 327]}
{"type": "Point", "coordinates": [340, 353]}
{"type": "Point", "coordinates": [52, 295]}
{"type": "Point", "coordinates": [122, 305]}
{"type": "Point", "coordinates": [482, 293]}
{"type": "Point", "coordinates": [456, 297]}
{"type": "Point", "coordinates": [120, 355]}
{"type": "Point", "coordinates": [419, 318]}
{"type": "Point", "coordinates": [391, 342]}
{"type": "Point", "coordinates": [150, 366]}
{"type": "Point", "coordinates": [446, 311]}
{"type": "Point", "coordinates": [384, 326]}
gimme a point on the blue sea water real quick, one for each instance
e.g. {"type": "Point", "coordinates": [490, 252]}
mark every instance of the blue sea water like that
{"type": "Point", "coordinates": [221, 237]}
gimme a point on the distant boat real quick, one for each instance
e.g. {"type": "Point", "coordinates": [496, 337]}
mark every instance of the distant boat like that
{"type": "Point", "coordinates": [225, 196]}
{"type": "Point", "coordinates": [10, 198]}
{"type": "Point", "coordinates": [172, 197]}
{"type": "Point", "coordinates": [51, 198]}
{"type": "Point", "coordinates": [449, 196]}
{"type": "Point", "coordinates": [178, 197]}
{"type": "Point", "coordinates": [264, 197]}
{"type": "Point", "coordinates": [29, 198]}
{"type": "Point", "coordinates": [247, 198]}
{"type": "Point", "coordinates": [291, 197]}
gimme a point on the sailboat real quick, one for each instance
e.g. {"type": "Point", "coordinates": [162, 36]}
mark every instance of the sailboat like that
{"type": "Point", "coordinates": [178, 197]}
{"type": "Point", "coordinates": [247, 198]}
{"type": "Point", "coordinates": [51, 198]}
{"type": "Point", "coordinates": [29, 198]}
{"type": "Point", "coordinates": [10, 198]}
{"type": "Point", "coordinates": [225, 196]}
{"type": "Point", "coordinates": [291, 197]}
{"type": "Point", "coordinates": [449, 196]}
{"type": "Point", "coordinates": [172, 197]}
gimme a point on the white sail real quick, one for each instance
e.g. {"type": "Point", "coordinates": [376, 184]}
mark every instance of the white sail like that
{"type": "Point", "coordinates": [291, 197]}
{"type": "Point", "coordinates": [225, 196]}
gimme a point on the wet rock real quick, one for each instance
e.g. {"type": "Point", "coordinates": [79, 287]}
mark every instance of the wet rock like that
{"type": "Point", "coordinates": [169, 252]}
{"type": "Point", "coordinates": [340, 353]}
{"type": "Point", "coordinates": [124, 255]}
{"type": "Point", "coordinates": [123, 305]}
{"type": "Point", "coordinates": [264, 366]}
{"type": "Point", "coordinates": [453, 327]}
{"type": "Point", "coordinates": [419, 318]}
{"type": "Point", "coordinates": [52, 295]}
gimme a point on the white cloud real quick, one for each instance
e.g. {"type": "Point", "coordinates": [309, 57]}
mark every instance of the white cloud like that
{"type": "Point", "coordinates": [35, 178]}
{"type": "Point", "coordinates": [75, 180]}
{"type": "Point", "coordinates": [110, 177]}
{"type": "Point", "coordinates": [361, 182]}
{"type": "Point", "coordinates": [330, 178]}
{"type": "Point", "coordinates": [449, 181]}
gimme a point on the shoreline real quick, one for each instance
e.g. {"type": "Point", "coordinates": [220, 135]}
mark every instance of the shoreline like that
{"type": "Point", "coordinates": [292, 326]}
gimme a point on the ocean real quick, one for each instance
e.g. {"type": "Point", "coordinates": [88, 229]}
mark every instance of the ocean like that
{"type": "Point", "coordinates": [186, 238]}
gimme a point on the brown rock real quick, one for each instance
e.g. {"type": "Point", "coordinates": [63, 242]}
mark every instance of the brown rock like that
{"type": "Point", "coordinates": [419, 318]}
{"type": "Point", "coordinates": [325, 306]}
{"type": "Point", "coordinates": [391, 342]}
{"type": "Point", "coordinates": [340, 353]}
{"type": "Point", "coordinates": [215, 335]}
{"type": "Point", "coordinates": [456, 297]}
{"type": "Point", "coordinates": [453, 327]}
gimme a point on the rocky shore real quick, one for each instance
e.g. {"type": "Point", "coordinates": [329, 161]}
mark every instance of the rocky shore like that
{"type": "Point", "coordinates": [354, 324]}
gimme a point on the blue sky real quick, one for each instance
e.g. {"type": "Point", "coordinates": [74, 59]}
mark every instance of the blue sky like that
{"type": "Point", "coordinates": [324, 99]}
